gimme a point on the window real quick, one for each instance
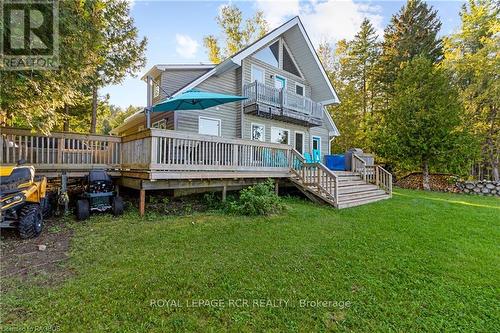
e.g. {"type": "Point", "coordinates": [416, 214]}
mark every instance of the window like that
{"type": "Point", "coordinates": [156, 90]}
{"type": "Point", "coordinates": [258, 132]}
{"type": "Point", "coordinates": [161, 124]}
{"type": "Point", "coordinates": [288, 64]}
{"type": "Point", "coordinates": [299, 141]}
{"type": "Point", "coordinates": [269, 54]}
{"type": "Point", "coordinates": [280, 135]}
{"type": "Point", "coordinates": [257, 74]}
{"type": "Point", "coordinates": [209, 126]}
{"type": "Point", "coordinates": [299, 89]}
{"type": "Point", "coordinates": [279, 82]}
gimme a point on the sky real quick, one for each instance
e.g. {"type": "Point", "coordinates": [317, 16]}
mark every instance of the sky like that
{"type": "Point", "coordinates": [175, 29]}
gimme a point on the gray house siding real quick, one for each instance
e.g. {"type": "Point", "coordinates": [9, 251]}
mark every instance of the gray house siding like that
{"type": "Point", "coordinates": [229, 114]}
{"type": "Point", "coordinates": [171, 80]}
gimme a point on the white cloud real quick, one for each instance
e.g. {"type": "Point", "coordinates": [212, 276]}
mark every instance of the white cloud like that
{"type": "Point", "coordinates": [186, 46]}
{"type": "Point", "coordinates": [329, 20]}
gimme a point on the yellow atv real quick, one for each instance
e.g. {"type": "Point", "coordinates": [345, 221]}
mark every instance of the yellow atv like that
{"type": "Point", "coordinates": [23, 200]}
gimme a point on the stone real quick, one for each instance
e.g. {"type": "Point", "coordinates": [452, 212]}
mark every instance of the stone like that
{"type": "Point", "coordinates": [42, 247]}
{"type": "Point", "coordinates": [477, 190]}
{"type": "Point", "coordinates": [466, 190]}
{"type": "Point", "coordinates": [469, 186]}
{"type": "Point", "coordinates": [480, 185]}
{"type": "Point", "coordinates": [493, 191]}
{"type": "Point", "coordinates": [490, 186]}
{"type": "Point", "coordinates": [485, 190]}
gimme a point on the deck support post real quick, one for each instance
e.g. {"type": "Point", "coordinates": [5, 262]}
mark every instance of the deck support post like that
{"type": "Point", "coordinates": [276, 186]}
{"type": "Point", "coordinates": [224, 193]}
{"type": "Point", "coordinates": [142, 201]}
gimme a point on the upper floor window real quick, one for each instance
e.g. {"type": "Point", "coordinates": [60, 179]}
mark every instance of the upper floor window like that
{"type": "Point", "coordinates": [288, 64]}
{"type": "Point", "coordinates": [257, 74]}
{"type": "Point", "coordinates": [270, 54]}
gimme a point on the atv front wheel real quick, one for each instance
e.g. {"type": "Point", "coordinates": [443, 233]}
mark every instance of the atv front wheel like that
{"type": "Point", "coordinates": [117, 206]}
{"type": "Point", "coordinates": [30, 221]}
{"type": "Point", "coordinates": [82, 209]}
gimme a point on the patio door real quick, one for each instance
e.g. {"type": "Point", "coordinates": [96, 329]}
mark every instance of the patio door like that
{"type": "Point", "coordinates": [279, 82]}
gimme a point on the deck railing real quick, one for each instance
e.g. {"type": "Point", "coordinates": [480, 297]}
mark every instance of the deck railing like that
{"type": "Point", "coordinates": [174, 150]}
{"type": "Point", "coordinates": [59, 151]}
{"type": "Point", "coordinates": [257, 92]}
{"type": "Point", "coordinates": [373, 174]}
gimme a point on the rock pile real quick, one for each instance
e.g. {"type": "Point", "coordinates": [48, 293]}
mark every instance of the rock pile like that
{"type": "Point", "coordinates": [482, 187]}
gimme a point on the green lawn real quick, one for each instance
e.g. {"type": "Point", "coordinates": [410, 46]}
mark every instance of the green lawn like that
{"type": "Point", "coordinates": [420, 261]}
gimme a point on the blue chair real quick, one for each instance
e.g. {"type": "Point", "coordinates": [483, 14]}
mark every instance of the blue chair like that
{"type": "Point", "coordinates": [267, 158]}
{"type": "Point", "coordinates": [316, 156]}
{"type": "Point", "coordinates": [308, 158]}
{"type": "Point", "coordinates": [281, 159]}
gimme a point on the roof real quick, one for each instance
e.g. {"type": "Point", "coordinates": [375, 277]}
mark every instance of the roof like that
{"type": "Point", "coordinates": [235, 61]}
{"type": "Point", "coordinates": [157, 69]}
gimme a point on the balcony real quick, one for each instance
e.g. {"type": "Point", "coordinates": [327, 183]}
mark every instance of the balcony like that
{"type": "Point", "coordinates": [271, 102]}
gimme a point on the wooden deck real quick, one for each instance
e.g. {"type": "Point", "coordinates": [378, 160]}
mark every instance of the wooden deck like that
{"type": "Point", "coordinates": [165, 159]}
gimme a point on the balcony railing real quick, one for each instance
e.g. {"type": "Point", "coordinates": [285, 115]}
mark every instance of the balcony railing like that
{"type": "Point", "coordinates": [290, 105]}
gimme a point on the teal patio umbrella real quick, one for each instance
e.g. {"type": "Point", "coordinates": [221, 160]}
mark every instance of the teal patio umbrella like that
{"type": "Point", "coordinates": [195, 100]}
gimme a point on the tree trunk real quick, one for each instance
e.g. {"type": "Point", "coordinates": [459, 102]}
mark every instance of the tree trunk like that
{"type": "Point", "coordinates": [66, 119]}
{"type": "Point", "coordinates": [94, 110]}
{"type": "Point", "coordinates": [425, 174]}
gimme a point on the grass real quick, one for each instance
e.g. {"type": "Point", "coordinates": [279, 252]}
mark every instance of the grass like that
{"type": "Point", "coordinates": [418, 262]}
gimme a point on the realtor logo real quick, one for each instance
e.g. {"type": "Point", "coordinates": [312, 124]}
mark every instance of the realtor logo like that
{"type": "Point", "coordinates": [30, 35]}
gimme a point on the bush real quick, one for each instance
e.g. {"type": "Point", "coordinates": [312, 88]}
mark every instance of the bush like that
{"type": "Point", "coordinates": [258, 199]}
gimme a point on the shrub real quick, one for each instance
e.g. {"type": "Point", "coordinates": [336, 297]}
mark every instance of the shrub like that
{"type": "Point", "coordinates": [258, 199]}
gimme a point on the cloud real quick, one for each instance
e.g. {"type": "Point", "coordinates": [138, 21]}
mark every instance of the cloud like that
{"type": "Point", "coordinates": [329, 20]}
{"type": "Point", "coordinates": [186, 46]}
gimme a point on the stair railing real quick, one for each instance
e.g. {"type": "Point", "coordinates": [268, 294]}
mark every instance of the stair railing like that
{"type": "Point", "coordinates": [316, 175]}
{"type": "Point", "coordinates": [373, 174]}
{"type": "Point", "coordinates": [383, 179]}
{"type": "Point", "coordinates": [358, 165]}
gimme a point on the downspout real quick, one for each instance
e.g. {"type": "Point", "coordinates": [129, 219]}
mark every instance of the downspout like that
{"type": "Point", "coordinates": [149, 101]}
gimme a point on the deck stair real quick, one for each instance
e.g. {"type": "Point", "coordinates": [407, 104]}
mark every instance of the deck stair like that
{"type": "Point", "coordinates": [342, 189]}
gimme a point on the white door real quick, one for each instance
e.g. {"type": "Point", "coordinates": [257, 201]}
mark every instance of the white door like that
{"type": "Point", "coordinates": [209, 126]}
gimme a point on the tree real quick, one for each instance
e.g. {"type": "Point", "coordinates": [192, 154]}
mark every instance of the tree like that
{"type": "Point", "coordinates": [117, 117]}
{"type": "Point", "coordinates": [352, 72]}
{"type": "Point", "coordinates": [411, 33]}
{"type": "Point", "coordinates": [121, 53]}
{"type": "Point", "coordinates": [32, 98]}
{"type": "Point", "coordinates": [423, 125]}
{"type": "Point", "coordinates": [472, 56]}
{"type": "Point", "coordinates": [236, 35]}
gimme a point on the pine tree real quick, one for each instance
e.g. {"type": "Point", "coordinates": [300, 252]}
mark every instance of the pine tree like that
{"type": "Point", "coordinates": [423, 125]}
{"type": "Point", "coordinates": [353, 75]}
{"type": "Point", "coordinates": [363, 56]}
{"type": "Point", "coordinates": [472, 55]}
{"type": "Point", "coordinates": [411, 32]}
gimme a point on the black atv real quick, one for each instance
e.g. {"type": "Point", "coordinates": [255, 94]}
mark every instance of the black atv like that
{"type": "Point", "coordinates": [99, 195]}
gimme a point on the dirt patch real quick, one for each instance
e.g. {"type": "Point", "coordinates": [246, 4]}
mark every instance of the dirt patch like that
{"type": "Point", "coordinates": [24, 260]}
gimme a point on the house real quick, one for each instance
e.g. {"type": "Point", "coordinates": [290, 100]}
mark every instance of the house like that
{"type": "Point", "coordinates": [267, 135]}
{"type": "Point", "coordinates": [286, 86]}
